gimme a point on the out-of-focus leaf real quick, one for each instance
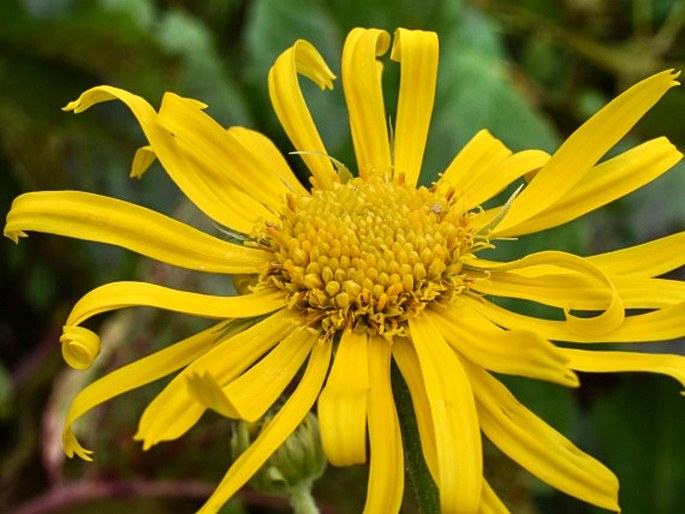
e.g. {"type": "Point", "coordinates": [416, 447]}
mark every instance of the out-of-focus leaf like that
{"type": "Point", "coordinates": [5, 393]}
{"type": "Point", "coordinates": [640, 429]}
{"type": "Point", "coordinates": [475, 91]}
{"type": "Point", "coordinates": [203, 73]}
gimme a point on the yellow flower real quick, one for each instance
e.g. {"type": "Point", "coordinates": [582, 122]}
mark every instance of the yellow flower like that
{"type": "Point", "coordinates": [376, 268]}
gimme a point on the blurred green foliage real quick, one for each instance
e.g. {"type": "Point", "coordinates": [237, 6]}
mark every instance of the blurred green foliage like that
{"type": "Point", "coordinates": [530, 71]}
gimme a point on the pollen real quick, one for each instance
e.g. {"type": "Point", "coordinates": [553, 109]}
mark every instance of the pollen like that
{"type": "Point", "coordinates": [368, 255]}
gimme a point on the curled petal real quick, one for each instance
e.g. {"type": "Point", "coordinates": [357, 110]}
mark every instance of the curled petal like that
{"type": "Point", "coordinates": [291, 108]}
{"type": "Point", "coordinates": [585, 272]}
{"type": "Point", "coordinates": [80, 346]}
{"type": "Point", "coordinates": [142, 160]}
{"type": "Point", "coordinates": [361, 75]}
{"type": "Point", "coordinates": [660, 325]}
{"type": "Point", "coordinates": [119, 295]}
{"type": "Point", "coordinates": [417, 53]}
{"type": "Point", "coordinates": [132, 376]}
{"type": "Point", "coordinates": [229, 206]}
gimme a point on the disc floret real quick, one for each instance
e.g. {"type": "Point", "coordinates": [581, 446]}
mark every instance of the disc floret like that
{"type": "Point", "coordinates": [368, 255]}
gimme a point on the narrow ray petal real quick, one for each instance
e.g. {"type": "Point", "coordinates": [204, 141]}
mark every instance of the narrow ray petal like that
{"type": "Point", "coordinates": [134, 375]}
{"type": "Point", "coordinates": [513, 352]}
{"type": "Point", "coordinates": [605, 183]}
{"type": "Point", "coordinates": [482, 152]}
{"type": "Point", "coordinates": [291, 108]}
{"type": "Point", "coordinates": [491, 504]}
{"type": "Point", "coordinates": [612, 314]}
{"type": "Point", "coordinates": [635, 292]}
{"type": "Point", "coordinates": [408, 362]}
{"type": "Point", "coordinates": [119, 295]}
{"type": "Point", "coordinates": [660, 325]}
{"type": "Point", "coordinates": [646, 260]}
{"type": "Point", "coordinates": [583, 149]}
{"type": "Point", "coordinates": [361, 75]}
{"type": "Point", "coordinates": [275, 432]}
{"type": "Point", "coordinates": [256, 390]}
{"type": "Point", "coordinates": [616, 362]}
{"type": "Point", "coordinates": [343, 402]}
{"type": "Point", "coordinates": [265, 155]}
{"type": "Point", "coordinates": [224, 156]}
{"type": "Point", "coordinates": [226, 205]}
{"type": "Point", "coordinates": [102, 219]}
{"type": "Point", "coordinates": [537, 447]}
{"type": "Point", "coordinates": [386, 471]}
{"type": "Point", "coordinates": [487, 181]}
{"type": "Point", "coordinates": [455, 421]}
{"type": "Point", "coordinates": [417, 53]}
{"type": "Point", "coordinates": [174, 410]}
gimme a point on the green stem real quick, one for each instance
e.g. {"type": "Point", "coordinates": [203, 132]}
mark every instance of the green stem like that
{"type": "Point", "coordinates": [426, 492]}
{"type": "Point", "coordinates": [302, 500]}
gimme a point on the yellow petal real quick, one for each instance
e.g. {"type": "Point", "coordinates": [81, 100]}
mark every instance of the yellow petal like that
{"type": "Point", "coordinates": [482, 152]}
{"type": "Point", "coordinates": [408, 363]}
{"type": "Point", "coordinates": [538, 447]}
{"type": "Point", "coordinates": [225, 157]}
{"type": "Point", "coordinates": [660, 325]}
{"type": "Point", "coordinates": [386, 471]}
{"type": "Point", "coordinates": [457, 435]}
{"type": "Point", "coordinates": [616, 362]}
{"type": "Point", "coordinates": [291, 109]}
{"type": "Point", "coordinates": [342, 403]}
{"type": "Point", "coordinates": [487, 181]}
{"type": "Point", "coordinates": [556, 289]}
{"type": "Point", "coordinates": [265, 155]}
{"type": "Point", "coordinates": [649, 293]}
{"type": "Point", "coordinates": [513, 352]}
{"type": "Point", "coordinates": [361, 75]}
{"type": "Point", "coordinates": [106, 220]}
{"type": "Point", "coordinates": [134, 375]}
{"type": "Point", "coordinates": [605, 183]}
{"type": "Point", "coordinates": [417, 53]}
{"type": "Point", "coordinates": [119, 295]}
{"type": "Point", "coordinates": [646, 260]}
{"type": "Point", "coordinates": [175, 410]}
{"type": "Point", "coordinates": [226, 205]}
{"type": "Point", "coordinates": [581, 151]}
{"type": "Point", "coordinates": [490, 503]}
{"type": "Point", "coordinates": [142, 160]}
{"type": "Point", "coordinates": [275, 432]}
{"type": "Point", "coordinates": [256, 390]}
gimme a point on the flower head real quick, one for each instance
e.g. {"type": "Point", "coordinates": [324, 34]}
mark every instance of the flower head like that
{"type": "Point", "coordinates": [357, 271]}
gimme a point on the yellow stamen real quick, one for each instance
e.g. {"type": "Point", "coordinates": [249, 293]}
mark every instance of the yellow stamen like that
{"type": "Point", "coordinates": [368, 254]}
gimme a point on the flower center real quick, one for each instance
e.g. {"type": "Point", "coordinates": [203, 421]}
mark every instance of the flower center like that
{"type": "Point", "coordinates": [368, 255]}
